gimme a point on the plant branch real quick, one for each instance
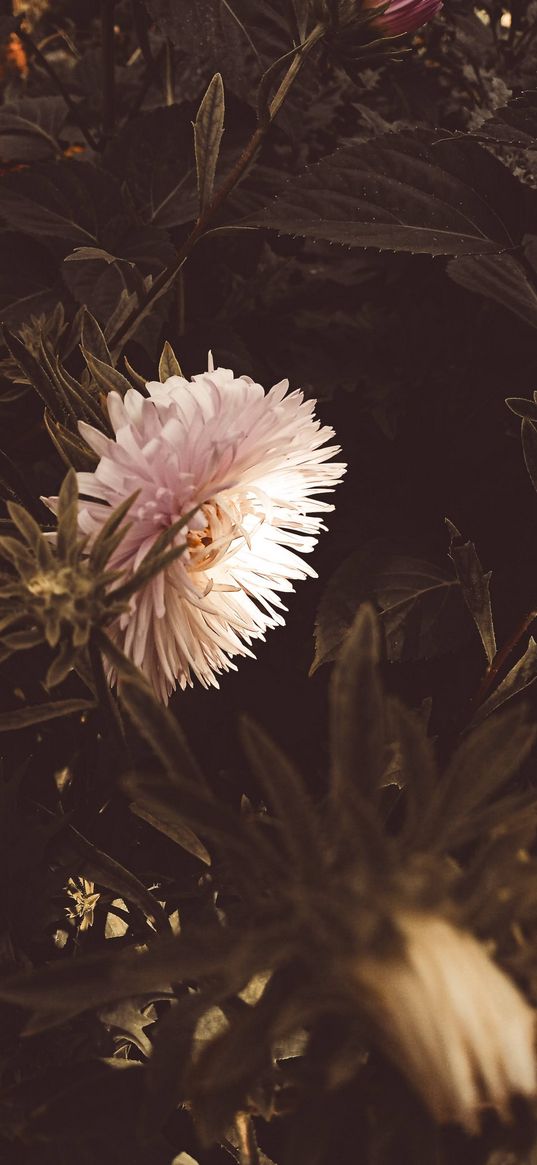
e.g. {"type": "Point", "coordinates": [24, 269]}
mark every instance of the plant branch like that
{"type": "Point", "coordinates": [72, 106]}
{"type": "Point", "coordinates": [501, 658]}
{"type": "Point", "coordinates": [166, 277]}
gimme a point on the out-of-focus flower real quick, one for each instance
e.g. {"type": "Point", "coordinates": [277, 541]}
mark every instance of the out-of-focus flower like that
{"type": "Point", "coordinates": [400, 17]}
{"type": "Point", "coordinates": [84, 898]}
{"type": "Point", "coordinates": [451, 1020]}
{"type": "Point", "coordinates": [250, 465]}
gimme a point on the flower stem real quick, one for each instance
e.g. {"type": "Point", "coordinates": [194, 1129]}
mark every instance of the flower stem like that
{"type": "Point", "coordinates": [166, 277]}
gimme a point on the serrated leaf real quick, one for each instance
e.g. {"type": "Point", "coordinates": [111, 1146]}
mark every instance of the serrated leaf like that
{"type": "Point", "coordinates": [413, 191]}
{"type": "Point", "coordinates": [420, 604]}
{"type": "Point", "coordinates": [208, 130]}
{"type": "Point", "coordinates": [514, 124]}
{"type": "Point", "coordinates": [475, 588]}
{"type": "Point", "coordinates": [39, 713]}
{"type": "Point", "coordinates": [501, 278]}
{"type": "Point", "coordinates": [168, 364]}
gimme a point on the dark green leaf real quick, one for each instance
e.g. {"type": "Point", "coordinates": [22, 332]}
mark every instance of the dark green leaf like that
{"type": "Point", "coordinates": [168, 364]}
{"type": "Point", "coordinates": [67, 513]}
{"type": "Point", "coordinates": [475, 588]}
{"type": "Point", "coordinates": [91, 862]}
{"type": "Point", "coordinates": [92, 338]}
{"type": "Point", "coordinates": [155, 723]}
{"type": "Point", "coordinates": [357, 710]}
{"type": "Point", "coordinates": [39, 713]}
{"type": "Point", "coordinates": [501, 278]}
{"type": "Point", "coordinates": [488, 756]}
{"type": "Point", "coordinates": [36, 375]}
{"type": "Point", "coordinates": [172, 825]}
{"type": "Point", "coordinates": [422, 611]}
{"type": "Point", "coordinates": [208, 130]}
{"type": "Point", "coordinates": [32, 534]}
{"type": "Point", "coordinates": [517, 680]}
{"type": "Point", "coordinates": [73, 451]}
{"type": "Point", "coordinates": [283, 789]}
{"type": "Point", "coordinates": [107, 378]}
{"type": "Point", "coordinates": [111, 534]}
{"type": "Point", "coordinates": [419, 192]}
{"type": "Point", "coordinates": [30, 127]}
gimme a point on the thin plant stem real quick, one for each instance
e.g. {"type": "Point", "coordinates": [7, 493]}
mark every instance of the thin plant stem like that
{"type": "Point", "coordinates": [40, 57]}
{"type": "Point", "coordinates": [166, 277]}
{"type": "Point", "coordinates": [107, 703]}
{"type": "Point", "coordinates": [169, 92]}
{"type": "Point", "coordinates": [108, 67]}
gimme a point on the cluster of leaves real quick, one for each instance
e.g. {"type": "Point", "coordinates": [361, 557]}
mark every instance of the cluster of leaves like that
{"type": "Point", "coordinates": [182, 940]}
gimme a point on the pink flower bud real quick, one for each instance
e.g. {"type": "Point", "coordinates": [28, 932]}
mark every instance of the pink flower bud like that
{"type": "Point", "coordinates": [402, 16]}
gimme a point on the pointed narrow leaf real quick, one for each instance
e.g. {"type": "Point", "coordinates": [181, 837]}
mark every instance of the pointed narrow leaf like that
{"type": "Point", "coordinates": [174, 827]}
{"type": "Point", "coordinates": [475, 588]}
{"type": "Point", "coordinates": [168, 364]}
{"type": "Point", "coordinates": [285, 793]}
{"type": "Point", "coordinates": [73, 451]}
{"type": "Point", "coordinates": [357, 709]}
{"type": "Point", "coordinates": [208, 129]}
{"type": "Point", "coordinates": [106, 377]}
{"type": "Point", "coordinates": [154, 722]}
{"type": "Point", "coordinates": [517, 680]}
{"type": "Point", "coordinates": [68, 517]}
{"type": "Point", "coordinates": [488, 756]}
{"type": "Point", "coordinates": [110, 534]}
{"type": "Point", "coordinates": [39, 713]}
{"type": "Point", "coordinates": [92, 338]}
{"type": "Point", "coordinates": [36, 375]}
{"type": "Point", "coordinates": [31, 532]}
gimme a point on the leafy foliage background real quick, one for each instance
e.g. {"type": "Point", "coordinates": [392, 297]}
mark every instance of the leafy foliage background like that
{"type": "Point", "coordinates": [383, 257]}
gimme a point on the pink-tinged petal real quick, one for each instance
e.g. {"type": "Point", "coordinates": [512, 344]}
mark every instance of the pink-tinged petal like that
{"type": "Point", "coordinates": [253, 464]}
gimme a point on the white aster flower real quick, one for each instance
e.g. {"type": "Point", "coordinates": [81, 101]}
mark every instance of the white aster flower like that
{"type": "Point", "coordinates": [452, 1021]}
{"type": "Point", "coordinates": [254, 463]}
